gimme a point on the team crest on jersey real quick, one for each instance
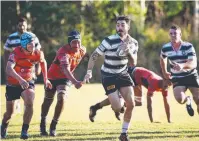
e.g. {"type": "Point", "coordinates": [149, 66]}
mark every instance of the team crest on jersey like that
{"type": "Point", "coordinates": [183, 52]}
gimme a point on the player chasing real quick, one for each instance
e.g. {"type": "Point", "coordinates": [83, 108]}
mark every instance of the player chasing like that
{"type": "Point", "coordinates": [152, 82]}
{"type": "Point", "coordinates": [182, 60]}
{"type": "Point", "coordinates": [20, 81]}
{"type": "Point", "coordinates": [61, 76]}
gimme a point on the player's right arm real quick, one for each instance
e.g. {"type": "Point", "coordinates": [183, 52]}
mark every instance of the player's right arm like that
{"type": "Point", "coordinates": [11, 72]}
{"type": "Point", "coordinates": [163, 65]}
{"type": "Point", "coordinates": [65, 67]}
{"type": "Point", "coordinates": [7, 51]}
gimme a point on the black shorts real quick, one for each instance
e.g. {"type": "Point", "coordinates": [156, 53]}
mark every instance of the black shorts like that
{"type": "Point", "coordinates": [187, 81]}
{"type": "Point", "coordinates": [14, 92]}
{"type": "Point", "coordinates": [111, 83]}
{"type": "Point", "coordinates": [57, 82]}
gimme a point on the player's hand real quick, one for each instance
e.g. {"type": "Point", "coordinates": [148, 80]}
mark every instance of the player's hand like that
{"type": "Point", "coordinates": [167, 75]}
{"type": "Point", "coordinates": [87, 76]}
{"type": "Point", "coordinates": [24, 84]}
{"type": "Point", "coordinates": [48, 84]}
{"type": "Point", "coordinates": [78, 84]}
{"type": "Point", "coordinates": [177, 67]}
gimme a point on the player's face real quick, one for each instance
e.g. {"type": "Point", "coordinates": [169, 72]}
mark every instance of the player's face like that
{"type": "Point", "coordinates": [75, 44]}
{"type": "Point", "coordinates": [22, 27]}
{"type": "Point", "coordinates": [31, 47]}
{"type": "Point", "coordinates": [122, 27]}
{"type": "Point", "coordinates": [175, 35]}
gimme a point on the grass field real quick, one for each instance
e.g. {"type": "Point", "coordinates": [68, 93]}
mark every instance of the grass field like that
{"type": "Point", "coordinates": [74, 124]}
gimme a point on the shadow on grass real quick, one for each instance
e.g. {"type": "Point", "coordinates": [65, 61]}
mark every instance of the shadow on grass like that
{"type": "Point", "coordinates": [76, 135]}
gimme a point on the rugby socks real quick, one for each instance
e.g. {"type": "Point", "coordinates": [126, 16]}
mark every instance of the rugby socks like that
{"type": "Point", "coordinates": [25, 127]}
{"type": "Point", "coordinates": [53, 124]}
{"type": "Point", "coordinates": [188, 100]}
{"type": "Point", "coordinates": [97, 106]}
{"type": "Point", "coordinates": [125, 127]}
{"type": "Point", "coordinates": [4, 125]}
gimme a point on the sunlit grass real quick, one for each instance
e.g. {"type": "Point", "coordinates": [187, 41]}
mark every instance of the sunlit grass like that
{"type": "Point", "coordinates": [74, 124]}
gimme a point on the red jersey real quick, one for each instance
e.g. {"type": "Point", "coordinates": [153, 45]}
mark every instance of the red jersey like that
{"type": "Point", "coordinates": [65, 56]}
{"type": "Point", "coordinates": [24, 64]}
{"type": "Point", "coordinates": [148, 79]}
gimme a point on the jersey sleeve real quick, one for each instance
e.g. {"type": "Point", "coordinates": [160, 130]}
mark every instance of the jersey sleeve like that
{"type": "Point", "coordinates": [163, 53]}
{"type": "Point", "coordinates": [12, 57]}
{"type": "Point", "coordinates": [191, 53]}
{"type": "Point", "coordinates": [103, 46]}
{"type": "Point", "coordinates": [7, 45]}
{"type": "Point", "coordinates": [37, 44]}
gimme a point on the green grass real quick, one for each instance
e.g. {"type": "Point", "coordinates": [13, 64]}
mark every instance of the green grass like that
{"type": "Point", "coordinates": [74, 124]}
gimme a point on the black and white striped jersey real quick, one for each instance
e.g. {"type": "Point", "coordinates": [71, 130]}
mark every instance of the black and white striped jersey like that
{"type": "Point", "coordinates": [13, 41]}
{"type": "Point", "coordinates": [181, 56]}
{"type": "Point", "coordinates": [113, 63]}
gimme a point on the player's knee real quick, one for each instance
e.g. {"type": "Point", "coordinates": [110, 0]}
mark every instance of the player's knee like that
{"type": "Point", "coordinates": [130, 105]}
{"type": "Point", "coordinates": [61, 96]}
{"type": "Point", "coordinates": [138, 103]}
{"type": "Point", "coordinates": [117, 108]}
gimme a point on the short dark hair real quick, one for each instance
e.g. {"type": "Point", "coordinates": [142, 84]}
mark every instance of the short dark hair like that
{"type": "Point", "coordinates": [22, 19]}
{"type": "Point", "coordinates": [175, 27]}
{"type": "Point", "coordinates": [125, 18]}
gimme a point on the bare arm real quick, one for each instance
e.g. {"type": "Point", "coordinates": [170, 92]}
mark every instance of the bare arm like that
{"type": "Point", "coordinates": [163, 65]}
{"type": "Point", "coordinates": [6, 56]}
{"type": "Point", "coordinates": [132, 59]}
{"type": "Point", "coordinates": [149, 107]}
{"type": "Point", "coordinates": [43, 65]}
{"type": "Point", "coordinates": [91, 63]}
{"type": "Point", "coordinates": [11, 72]}
{"type": "Point", "coordinates": [167, 108]}
{"type": "Point", "coordinates": [66, 70]}
{"type": "Point", "coordinates": [94, 56]}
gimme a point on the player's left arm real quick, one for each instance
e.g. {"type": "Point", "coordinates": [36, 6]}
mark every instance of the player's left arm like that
{"type": "Point", "coordinates": [43, 65]}
{"type": "Point", "coordinates": [132, 55]}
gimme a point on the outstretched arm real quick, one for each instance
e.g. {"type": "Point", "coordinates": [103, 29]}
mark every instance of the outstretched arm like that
{"type": "Point", "coordinates": [163, 64]}
{"type": "Point", "coordinates": [149, 106]}
{"type": "Point", "coordinates": [43, 65]}
{"type": "Point", "coordinates": [94, 56]}
{"type": "Point", "coordinates": [167, 107]}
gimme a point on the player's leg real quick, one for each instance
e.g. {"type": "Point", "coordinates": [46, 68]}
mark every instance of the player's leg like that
{"type": "Point", "coordinates": [179, 94]}
{"type": "Point", "coordinates": [28, 96]}
{"type": "Point", "coordinates": [48, 99]}
{"type": "Point", "coordinates": [94, 108]}
{"type": "Point", "coordinates": [62, 92]}
{"type": "Point", "coordinates": [128, 95]}
{"type": "Point", "coordinates": [195, 93]}
{"type": "Point", "coordinates": [12, 93]}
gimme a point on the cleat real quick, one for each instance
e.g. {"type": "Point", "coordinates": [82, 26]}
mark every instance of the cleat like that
{"type": "Point", "coordinates": [43, 131]}
{"type": "Point", "coordinates": [124, 137]}
{"type": "Point", "coordinates": [117, 115]}
{"type": "Point", "coordinates": [122, 109]}
{"type": "Point", "coordinates": [24, 135]}
{"type": "Point", "coordinates": [92, 113]}
{"type": "Point", "coordinates": [3, 132]}
{"type": "Point", "coordinates": [189, 108]}
{"type": "Point", "coordinates": [53, 133]}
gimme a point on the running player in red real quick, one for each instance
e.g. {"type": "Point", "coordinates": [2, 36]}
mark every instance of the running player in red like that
{"type": "Point", "coordinates": [20, 81]}
{"type": "Point", "coordinates": [61, 76]}
{"type": "Point", "coordinates": [148, 79]}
